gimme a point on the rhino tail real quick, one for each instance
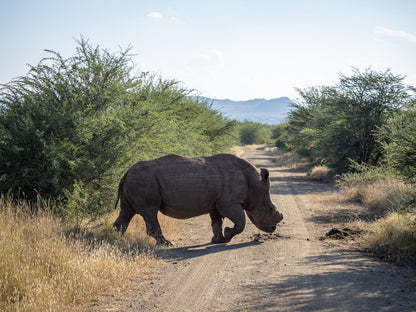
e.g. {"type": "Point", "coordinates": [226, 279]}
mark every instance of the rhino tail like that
{"type": "Point", "coordinates": [120, 189]}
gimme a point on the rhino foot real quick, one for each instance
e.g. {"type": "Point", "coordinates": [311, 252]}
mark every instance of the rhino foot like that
{"type": "Point", "coordinates": [229, 233]}
{"type": "Point", "coordinates": [218, 239]}
{"type": "Point", "coordinates": [161, 241]}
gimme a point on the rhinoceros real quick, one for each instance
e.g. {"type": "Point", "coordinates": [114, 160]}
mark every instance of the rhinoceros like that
{"type": "Point", "coordinates": [223, 186]}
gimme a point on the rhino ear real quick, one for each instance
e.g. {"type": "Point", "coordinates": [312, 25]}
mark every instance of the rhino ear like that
{"type": "Point", "coordinates": [264, 173]}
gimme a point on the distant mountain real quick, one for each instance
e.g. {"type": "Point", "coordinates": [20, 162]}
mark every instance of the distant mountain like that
{"type": "Point", "coordinates": [271, 111]}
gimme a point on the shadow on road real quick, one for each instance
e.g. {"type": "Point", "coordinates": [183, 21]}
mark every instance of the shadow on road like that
{"type": "Point", "coordinates": [297, 186]}
{"type": "Point", "coordinates": [190, 252]}
{"type": "Point", "coordinates": [342, 215]}
{"type": "Point", "coordinates": [262, 159]}
{"type": "Point", "coordinates": [353, 288]}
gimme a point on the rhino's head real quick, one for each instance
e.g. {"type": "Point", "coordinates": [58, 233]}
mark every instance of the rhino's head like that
{"type": "Point", "coordinates": [261, 211]}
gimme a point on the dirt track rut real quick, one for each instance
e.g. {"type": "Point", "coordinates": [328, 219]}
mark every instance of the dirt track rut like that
{"type": "Point", "coordinates": [289, 271]}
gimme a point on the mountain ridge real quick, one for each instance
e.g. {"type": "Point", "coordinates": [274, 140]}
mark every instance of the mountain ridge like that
{"type": "Point", "coordinates": [271, 111]}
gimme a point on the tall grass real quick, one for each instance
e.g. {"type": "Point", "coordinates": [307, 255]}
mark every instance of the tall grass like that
{"type": "Point", "coordinates": [320, 172]}
{"type": "Point", "coordinates": [394, 238]}
{"type": "Point", "coordinates": [393, 235]}
{"type": "Point", "coordinates": [45, 266]}
{"type": "Point", "coordinates": [380, 197]}
{"type": "Point", "coordinates": [377, 188]}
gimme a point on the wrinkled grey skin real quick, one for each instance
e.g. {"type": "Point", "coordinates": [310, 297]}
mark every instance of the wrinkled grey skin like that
{"type": "Point", "coordinates": [223, 186]}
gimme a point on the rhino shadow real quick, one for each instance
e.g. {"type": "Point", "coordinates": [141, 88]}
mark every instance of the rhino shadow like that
{"type": "Point", "coordinates": [195, 251]}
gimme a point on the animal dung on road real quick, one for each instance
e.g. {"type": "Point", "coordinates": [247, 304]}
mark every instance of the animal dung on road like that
{"type": "Point", "coordinates": [258, 237]}
{"type": "Point", "coordinates": [345, 233]}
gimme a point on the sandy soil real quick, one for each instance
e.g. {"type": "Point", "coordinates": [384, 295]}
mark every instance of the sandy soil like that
{"type": "Point", "coordinates": [294, 269]}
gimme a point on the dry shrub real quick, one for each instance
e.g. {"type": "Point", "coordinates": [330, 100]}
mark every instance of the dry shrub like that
{"type": "Point", "coordinates": [394, 238]}
{"type": "Point", "coordinates": [137, 229]}
{"type": "Point", "coordinates": [42, 268]}
{"type": "Point", "coordinates": [380, 197]}
{"type": "Point", "coordinates": [237, 150]}
{"type": "Point", "coordinates": [319, 172]}
{"type": "Point", "coordinates": [352, 194]}
{"type": "Point", "coordinates": [383, 197]}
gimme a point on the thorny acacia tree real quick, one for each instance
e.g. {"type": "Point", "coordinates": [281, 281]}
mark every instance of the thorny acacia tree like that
{"type": "Point", "coordinates": [71, 127]}
{"type": "Point", "coordinates": [340, 123]}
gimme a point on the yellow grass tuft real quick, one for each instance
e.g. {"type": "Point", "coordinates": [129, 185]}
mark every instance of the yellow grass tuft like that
{"type": "Point", "coordinates": [237, 150]}
{"type": "Point", "coordinates": [394, 238]}
{"type": "Point", "coordinates": [380, 197]}
{"type": "Point", "coordinates": [319, 172]}
{"type": "Point", "coordinates": [44, 268]}
{"type": "Point", "coordinates": [383, 197]}
{"type": "Point", "coordinates": [348, 193]}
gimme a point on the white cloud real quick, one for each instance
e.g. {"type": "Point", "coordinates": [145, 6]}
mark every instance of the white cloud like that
{"type": "Point", "coordinates": [155, 15]}
{"type": "Point", "coordinates": [383, 31]}
{"type": "Point", "coordinates": [210, 58]}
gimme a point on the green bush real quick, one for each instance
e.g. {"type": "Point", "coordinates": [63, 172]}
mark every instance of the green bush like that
{"type": "Point", "coordinates": [254, 133]}
{"type": "Point", "coordinates": [279, 134]}
{"type": "Point", "coordinates": [71, 127]}
{"type": "Point", "coordinates": [363, 174]}
{"type": "Point", "coordinates": [336, 124]}
{"type": "Point", "coordinates": [399, 141]}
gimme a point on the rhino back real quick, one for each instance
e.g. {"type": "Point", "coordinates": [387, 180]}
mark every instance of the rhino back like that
{"type": "Point", "coordinates": [190, 186]}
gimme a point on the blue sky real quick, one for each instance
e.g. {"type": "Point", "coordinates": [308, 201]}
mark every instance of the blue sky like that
{"type": "Point", "coordinates": [224, 49]}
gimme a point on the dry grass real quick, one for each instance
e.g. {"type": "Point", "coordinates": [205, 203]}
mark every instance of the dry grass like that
{"type": "Point", "coordinates": [394, 238]}
{"type": "Point", "coordinates": [351, 194]}
{"type": "Point", "coordinates": [386, 196]}
{"type": "Point", "coordinates": [45, 266]}
{"type": "Point", "coordinates": [237, 150]}
{"type": "Point", "coordinates": [380, 197]}
{"type": "Point", "coordinates": [137, 229]}
{"type": "Point", "coordinates": [319, 172]}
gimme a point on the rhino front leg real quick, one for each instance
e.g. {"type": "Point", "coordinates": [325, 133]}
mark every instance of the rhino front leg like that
{"type": "Point", "coordinates": [216, 223]}
{"type": "Point", "coordinates": [237, 216]}
{"type": "Point", "coordinates": [153, 229]}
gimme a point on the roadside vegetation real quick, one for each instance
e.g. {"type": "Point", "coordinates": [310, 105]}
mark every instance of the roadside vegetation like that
{"type": "Point", "coordinates": [254, 133]}
{"type": "Point", "coordinates": [71, 127]}
{"type": "Point", "coordinates": [50, 265]}
{"type": "Point", "coordinates": [362, 132]}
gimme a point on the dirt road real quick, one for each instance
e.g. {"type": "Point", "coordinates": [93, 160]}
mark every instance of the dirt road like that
{"type": "Point", "coordinates": [291, 270]}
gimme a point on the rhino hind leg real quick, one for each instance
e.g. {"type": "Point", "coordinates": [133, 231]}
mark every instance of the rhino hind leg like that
{"type": "Point", "coordinates": [237, 216]}
{"type": "Point", "coordinates": [123, 219]}
{"type": "Point", "coordinates": [153, 229]}
{"type": "Point", "coordinates": [216, 223]}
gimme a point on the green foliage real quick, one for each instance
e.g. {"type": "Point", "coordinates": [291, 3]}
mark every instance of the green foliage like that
{"type": "Point", "coordinates": [254, 133]}
{"type": "Point", "coordinates": [399, 141]}
{"type": "Point", "coordinates": [336, 124]}
{"type": "Point", "coordinates": [71, 127]}
{"type": "Point", "coordinates": [363, 174]}
{"type": "Point", "coordinates": [279, 134]}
